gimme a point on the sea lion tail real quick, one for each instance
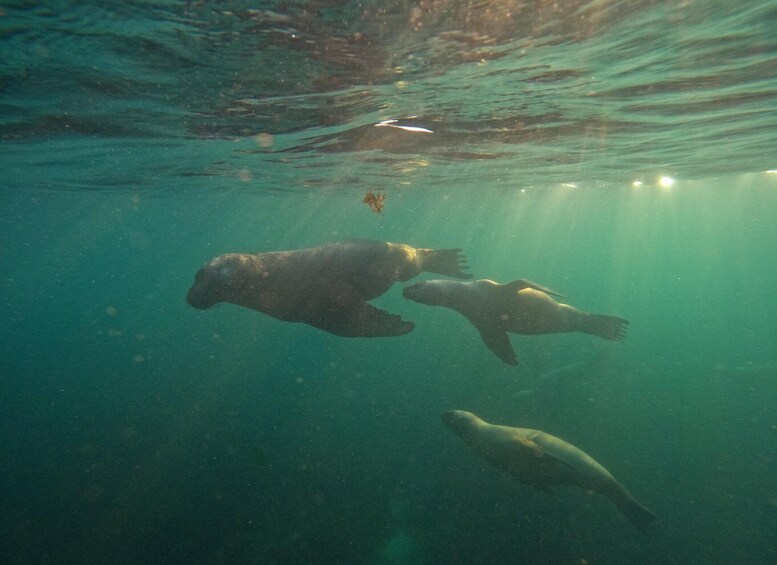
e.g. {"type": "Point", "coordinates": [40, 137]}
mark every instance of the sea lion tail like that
{"type": "Point", "coordinates": [607, 327]}
{"type": "Point", "coordinates": [449, 262]}
{"type": "Point", "coordinates": [640, 517]}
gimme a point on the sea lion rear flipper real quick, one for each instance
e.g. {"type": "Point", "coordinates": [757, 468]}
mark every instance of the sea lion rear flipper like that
{"type": "Point", "coordinates": [520, 284]}
{"type": "Point", "coordinates": [361, 320]}
{"type": "Point", "coordinates": [642, 518]}
{"type": "Point", "coordinates": [451, 262]}
{"type": "Point", "coordinates": [499, 342]}
{"type": "Point", "coordinates": [606, 327]}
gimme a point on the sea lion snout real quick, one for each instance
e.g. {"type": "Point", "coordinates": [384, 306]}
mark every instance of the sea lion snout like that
{"type": "Point", "coordinates": [208, 282]}
{"type": "Point", "coordinates": [213, 281]}
{"type": "Point", "coordinates": [423, 293]}
{"type": "Point", "coordinates": [411, 292]}
{"type": "Point", "coordinates": [459, 421]}
{"type": "Point", "coordinates": [200, 295]}
{"type": "Point", "coordinates": [448, 417]}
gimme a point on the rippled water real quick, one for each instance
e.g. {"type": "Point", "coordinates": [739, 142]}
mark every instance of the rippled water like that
{"type": "Point", "coordinates": [514, 92]}
{"type": "Point", "coordinates": [621, 153]}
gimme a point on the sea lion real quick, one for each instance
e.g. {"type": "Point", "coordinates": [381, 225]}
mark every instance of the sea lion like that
{"type": "Point", "coordinates": [326, 287]}
{"type": "Point", "coordinates": [543, 461]}
{"type": "Point", "coordinates": [520, 307]}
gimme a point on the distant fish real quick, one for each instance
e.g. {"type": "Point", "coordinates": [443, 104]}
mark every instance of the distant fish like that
{"type": "Point", "coordinates": [554, 378]}
{"type": "Point", "coordinates": [524, 392]}
{"type": "Point", "coordinates": [563, 373]}
{"type": "Point", "coordinates": [748, 370]}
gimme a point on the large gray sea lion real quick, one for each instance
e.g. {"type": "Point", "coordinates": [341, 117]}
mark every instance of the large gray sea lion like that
{"type": "Point", "coordinates": [543, 461]}
{"type": "Point", "coordinates": [520, 307]}
{"type": "Point", "coordinates": [326, 287]}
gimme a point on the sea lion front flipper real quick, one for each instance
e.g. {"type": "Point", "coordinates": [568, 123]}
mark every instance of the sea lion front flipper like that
{"type": "Point", "coordinates": [520, 284]}
{"type": "Point", "coordinates": [559, 450]}
{"type": "Point", "coordinates": [361, 320]}
{"type": "Point", "coordinates": [536, 449]}
{"type": "Point", "coordinates": [499, 342]}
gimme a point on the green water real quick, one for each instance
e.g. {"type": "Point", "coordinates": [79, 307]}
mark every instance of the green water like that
{"type": "Point", "coordinates": [139, 140]}
{"type": "Point", "coordinates": [139, 429]}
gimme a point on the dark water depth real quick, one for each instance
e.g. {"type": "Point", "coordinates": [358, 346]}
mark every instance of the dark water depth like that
{"type": "Point", "coordinates": [621, 153]}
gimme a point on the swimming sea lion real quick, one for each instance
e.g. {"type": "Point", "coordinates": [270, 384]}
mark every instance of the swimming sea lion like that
{"type": "Point", "coordinates": [543, 461]}
{"type": "Point", "coordinates": [520, 307]}
{"type": "Point", "coordinates": [326, 287]}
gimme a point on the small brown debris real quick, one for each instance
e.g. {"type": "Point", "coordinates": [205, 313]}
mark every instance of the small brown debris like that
{"type": "Point", "coordinates": [375, 201]}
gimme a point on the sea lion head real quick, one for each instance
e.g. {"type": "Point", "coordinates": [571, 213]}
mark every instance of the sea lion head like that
{"type": "Point", "coordinates": [460, 422]}
{"type": "Point", "coordinates": [427, 292]}
{"type": "Point", "coordinates": [217, 280]}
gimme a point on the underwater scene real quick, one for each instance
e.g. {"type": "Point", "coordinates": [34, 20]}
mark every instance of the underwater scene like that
{"type": "Point", "coordinates": [388, 283]}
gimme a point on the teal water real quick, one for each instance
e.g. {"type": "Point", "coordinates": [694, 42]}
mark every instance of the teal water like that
{"type": "Point", "coordinates": [140, 140]}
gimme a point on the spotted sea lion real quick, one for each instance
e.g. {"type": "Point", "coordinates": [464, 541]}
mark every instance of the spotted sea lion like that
{"type": "Point", "coordinates": [520, 307]}
{"type": "Point", "coordinates": [543, 461]}
{"type": "Point", "coordinates": [326, 287]}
